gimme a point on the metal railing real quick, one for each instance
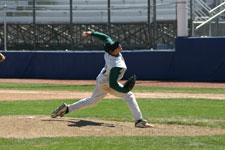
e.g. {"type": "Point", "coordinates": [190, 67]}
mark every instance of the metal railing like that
{"type": "Point", "coordinates": [209, 19]}
{"type": "Point", "coordinates": [213, 13]}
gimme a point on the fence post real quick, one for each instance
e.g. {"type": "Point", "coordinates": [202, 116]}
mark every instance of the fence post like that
{"type": "Point", "coordinates": [5, 28]}
{"type": "Point", "coordinates": [109, 17]}
{"type": "Point", "coordinates": [71, 24]}
{"type": "Point", "coordinates": [154, 25]}
{"type": "Point", "coordinates": [191, 17]}
{"type": "Point", "coordinates": [34, 25]}
{"type": "Point", "coordinates": [149, 25]}
{"type": "Point", "coordinates": [182, 18]}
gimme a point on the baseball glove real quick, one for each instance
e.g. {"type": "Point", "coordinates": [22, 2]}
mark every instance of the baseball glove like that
{"type": "Point", "coordinates": [129, 84]}
{"type": "Point", "coordinates": [2, 57]}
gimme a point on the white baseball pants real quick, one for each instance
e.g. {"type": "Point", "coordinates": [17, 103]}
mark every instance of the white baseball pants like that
{"type": "Point", "coordinates": [100, 92]}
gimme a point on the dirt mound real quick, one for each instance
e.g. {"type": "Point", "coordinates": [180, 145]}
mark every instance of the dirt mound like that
{"type": "Point", "coordinates": [44, 126]}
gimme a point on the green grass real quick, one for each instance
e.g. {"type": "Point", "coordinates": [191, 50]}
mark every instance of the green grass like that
{"type": "Point", "coordinates": [180, 90]}
{"type": "Point", "coordinates": [169, 111]}
{"type": "Point", "coordinates": [36, 86]}
{"type": "Point", "coordinates": [200, 112]}
{"type": "Point", "coordinates": [116, 143]}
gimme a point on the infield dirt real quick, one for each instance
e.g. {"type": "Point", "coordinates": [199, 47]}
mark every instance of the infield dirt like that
{"type": "Point", "coordinates": [44, 126]}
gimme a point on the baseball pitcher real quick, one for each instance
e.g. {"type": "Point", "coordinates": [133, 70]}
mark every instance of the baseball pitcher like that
{"type": "Point", "coordinates": [107, 82]}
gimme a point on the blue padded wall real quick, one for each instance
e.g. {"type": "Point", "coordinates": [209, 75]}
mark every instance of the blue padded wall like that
{"type": "Point", "coordinates": [51, 65]}
{"type": "Point", "coordinates": [195, 59]}
{"type": "Point", "coordinates": [150, 65]}
{"type": "Point", "coordinates": [200, 59]}
{"type": "Point", "coordinates": [84, 64]}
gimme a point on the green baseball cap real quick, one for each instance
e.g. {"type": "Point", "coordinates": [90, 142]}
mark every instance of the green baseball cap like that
{"type": "Point", "coordinates": [111, 46]}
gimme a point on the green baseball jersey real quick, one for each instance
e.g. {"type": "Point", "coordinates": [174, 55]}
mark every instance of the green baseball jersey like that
{"type": "Point", "coordinates": [114, 68]}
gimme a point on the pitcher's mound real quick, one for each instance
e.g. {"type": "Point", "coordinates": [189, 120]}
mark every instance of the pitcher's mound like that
{"type": "Point", "coordinates": [44, 126]}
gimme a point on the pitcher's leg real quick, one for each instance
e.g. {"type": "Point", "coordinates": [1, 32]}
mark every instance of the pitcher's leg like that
{"type": "Point", "coordinates": [133, 105]}
{"type": "Point", "coordinates": [85, 103]}
{"type": "Point", "coordinates": [96, 97]}
{"type": "Point", "coordinates": [134, 108]}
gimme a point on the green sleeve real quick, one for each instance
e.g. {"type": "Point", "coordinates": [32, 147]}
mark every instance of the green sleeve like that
{"type": "Point", "coordinates": [101, 36]}
{"type": "Point", "coordinates": [113, 80]}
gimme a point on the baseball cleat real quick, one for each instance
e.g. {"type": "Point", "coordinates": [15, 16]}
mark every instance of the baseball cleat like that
{"type": "Point", "coordinates": [143, 124]}
{"type": "Point", "coordinates": [60, 111]}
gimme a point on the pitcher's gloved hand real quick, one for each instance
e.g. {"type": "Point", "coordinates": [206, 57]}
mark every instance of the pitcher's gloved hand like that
{"type": "Point", "coordinates": [130, 82]}
{"type": "Point", "coordinates": [2, 57]}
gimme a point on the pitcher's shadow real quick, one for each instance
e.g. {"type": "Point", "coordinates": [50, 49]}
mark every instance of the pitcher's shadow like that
{"type": "Point", "coordinates": [82, 123]}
